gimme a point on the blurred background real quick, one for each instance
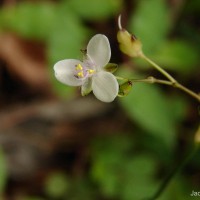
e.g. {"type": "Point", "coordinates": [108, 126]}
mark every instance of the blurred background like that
{"type": "Point", "coordinates": [57, 145]}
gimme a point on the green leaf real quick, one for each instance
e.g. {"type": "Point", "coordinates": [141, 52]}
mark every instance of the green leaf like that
{"type": "Point", "coordinates": [139, 173]}
{"type": "Point", "coordinates": [31, 20]}
{"type": "Point", "coordinates": [114, 167]}
{"type": "Point", "coordinates": [95, 9]}
{"type": "Point", "coordinates": [3, 172]}
{"type": "Point", "coordinates": [178, 56]}
{"type": "Point", "coordinates": [82, 189]}
{"type": "Point", "coordinates": [57, 185]}
{"type": "Point", "coordinates": [67, 37]}
{"type": "Point", "coordinates": [179, 189]}
{"type": "Point", "coordinates": [149, 107]}
{"type": "Point", "coordinates": [109, 156]}
{"type": "Point", "coordinates": [150, 23]}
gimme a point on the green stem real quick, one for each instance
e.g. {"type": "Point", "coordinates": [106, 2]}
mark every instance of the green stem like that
{"type": "Point", "coordinates": [173, 84]}
{"type": "Point", "coordinates": [186, 90]}
{"type": "Point", "coordinates": [152, 80]}
{"type": "Point", "coordinates": [171, 175]}
{"type": "Point", "coordinates": [146, 80]}
{"type": "Point", "coordinates": [122, 78]}
{"type": "Point", "coordinates": [161, 70]}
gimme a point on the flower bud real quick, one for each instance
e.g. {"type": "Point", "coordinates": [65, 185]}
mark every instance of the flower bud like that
{"type": "Point", "coordinates": [128, 43]}
{"type": "Point", "coordinates": [111, 67]}
{"type": "Point", "coordinates": [125, 88]}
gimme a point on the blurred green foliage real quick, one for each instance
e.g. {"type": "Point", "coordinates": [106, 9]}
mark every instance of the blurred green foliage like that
{"type": "Point", "coordinates": [153, 110]}
{"type": "Point", "coordinates": [30, 20]}
{"type": "Point", "coordinates": [3, 172]}
{"type": "Point", "coordinates": [152, 22]}
{"type": "Point", "coordinates": [179, 56]}
{"type": "Point", "coordinates": [113, 169]}
{"type": "Point", "coordinates": [57, 185]}
{"type": "Point", "coordinates": [96, 10]}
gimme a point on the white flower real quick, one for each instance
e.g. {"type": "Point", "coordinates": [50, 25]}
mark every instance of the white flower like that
{"type": "Point", "coordinates": [90, 73]}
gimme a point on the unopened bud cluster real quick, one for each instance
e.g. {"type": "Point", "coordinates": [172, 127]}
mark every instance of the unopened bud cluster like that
{"type": "Point", "coordinates": [128, 43]}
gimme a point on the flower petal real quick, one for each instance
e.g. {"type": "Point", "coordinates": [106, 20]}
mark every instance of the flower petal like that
{"type": "Point", "coordinates": [98, 50]}
{"type": "Point", "coordinates": [64, 72]}
{"type": "Point", "coordinates": [105, 86]}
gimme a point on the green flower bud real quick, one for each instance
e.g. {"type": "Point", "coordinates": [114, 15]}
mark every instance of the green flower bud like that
{"type": "Point", "coordinates": [111, 67]}
{"type": "Point", "coordinates": [86, 87]}
{"type": "Point", "coordinates": [125, 88]}
{"type": "Point", "coordinates": [128, 43]}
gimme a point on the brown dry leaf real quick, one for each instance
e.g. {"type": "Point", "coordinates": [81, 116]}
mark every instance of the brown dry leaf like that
{"type": "Point", "coordinates": [24, 61]}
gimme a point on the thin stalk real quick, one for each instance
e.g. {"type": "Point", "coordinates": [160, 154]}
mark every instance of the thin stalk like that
{"type": "Point", "coordinates": [164, 82]}
{"type": "Point", "coordinates": [161, 70]}
{"type": "Point", "coordinates": [186, 90]}
{"type": "Point", "coordinates": [173, 81]}
{"type": "Point", "coordinates": [174, 84]}
{"type": "Point", "coordinates": [171, 175]}
{"type": "Point", "coordinates": [146, 80]}
{"type": "Point", "coordinates": [152, 80]}
{"type": "Point", "coordinates": [122, 78]}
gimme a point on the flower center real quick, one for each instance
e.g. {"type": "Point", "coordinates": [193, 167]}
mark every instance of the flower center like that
{"type": "Point", "coordinates": [82, 72]}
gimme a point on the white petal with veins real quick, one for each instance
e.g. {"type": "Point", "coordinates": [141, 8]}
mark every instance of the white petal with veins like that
{"type": "Point", "coordinates": [65, 72]}
{"type": "Point", "coordinates": [105, 86]}
{"type": "Point", "coordinates": [98, 50]}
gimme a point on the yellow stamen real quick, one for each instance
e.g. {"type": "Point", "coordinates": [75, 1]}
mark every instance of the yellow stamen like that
{"type": "Point", "coordinates": [79, 67]}
{"type": "Point", "coordinates": [91, 71]}
{"type": "Point", "coordinates": [80, 74]}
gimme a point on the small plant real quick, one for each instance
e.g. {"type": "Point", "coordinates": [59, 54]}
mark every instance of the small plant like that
{"type": "Point", "coordinates": [94, 74]}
